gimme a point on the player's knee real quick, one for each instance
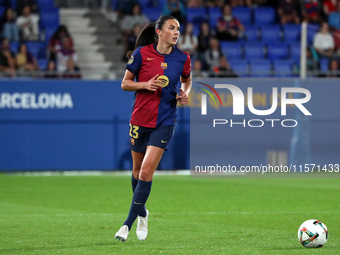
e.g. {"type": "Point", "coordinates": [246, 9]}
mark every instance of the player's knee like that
{"type": "Point", "coordinates": [135, 173]}
{"type": "Point", "coordinates": [145, 175]}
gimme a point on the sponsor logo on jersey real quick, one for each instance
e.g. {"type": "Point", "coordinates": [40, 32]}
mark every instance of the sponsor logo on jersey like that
{"type": "Point", "coordinates": [150, 58]}
{"type": "Point", "coordinates": [164, 65]}
{"type": "Point", "coordinates": [164, 79]}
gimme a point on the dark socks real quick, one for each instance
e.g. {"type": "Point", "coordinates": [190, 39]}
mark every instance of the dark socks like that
{"type": "Point", "coordinates": [139, 198]}
{"type": "Point", "coordinates": [134, 183]}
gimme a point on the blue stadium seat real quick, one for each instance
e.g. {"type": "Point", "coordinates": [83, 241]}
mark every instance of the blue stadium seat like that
{"type": "Point", "coordinates": [243, 14]}
{"type": "Point", "coordinates": [240, 67]}
{"type": "Point", "coordinates": [49, 31]}
{"type": "Point", "coordinates": [324, 64]}
{"type": "Point", "coordinates": [283, 68]}
{"type": "Point", "coordinates": [50, 17]}
{"type": "Point", "coordinates": [13, 4]}
{"type": "Point", "coordinates": [14, 47]}
{"type": "Point", "coordinates": [2, 10]}
{"type": "Point", "coordinates": [214, 13]}
{"type": "Point", "coordinates": [231, 50]}
{"type": "Point", "coordinates": [144, 3]}
{"type": "Point", "coordinates": [45, 4]}
{"type": "Point", "coordinates": [291, 32]}
{"type": "Point", "coordinates": [37, 49]}
{"type": "Point", "coordinates": [196, 15]}
{"type": "Point", "coordinates": [311, 31]}
{"type": "Point", "coordinates": [295, 51]}
{"type": "Point", "coordinates": [42, 63]}
{"type": "Point", "coordinates": [260, 68]}
{"type": "Point", "coordinates": [278, 51]}
{"type": "Point", "coordinates": [252, 33]}
{"type": "Point", "coordinates": [271, 33]}
{"type": "Point", "coordinates": [264, 15]}
{"type": "Point", "coordinates": [152, 13]}
{"type": "Point", "coordinates": [196, 29]}
{"type": "Point", "coordinates": [253, 51]}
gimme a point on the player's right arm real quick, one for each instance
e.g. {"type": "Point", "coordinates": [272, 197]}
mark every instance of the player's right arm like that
{"type": "Point", "coordinates": [128, 83]}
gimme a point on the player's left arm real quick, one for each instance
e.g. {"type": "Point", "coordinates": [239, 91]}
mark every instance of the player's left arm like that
{"type": "Point", "coordinates": [186, 84]}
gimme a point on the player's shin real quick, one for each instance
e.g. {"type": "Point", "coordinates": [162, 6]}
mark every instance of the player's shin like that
{"type": "Point", "coordinates": [139, 199]}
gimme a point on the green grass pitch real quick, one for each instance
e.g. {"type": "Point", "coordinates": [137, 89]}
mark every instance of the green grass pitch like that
{"type": "Point", "coordinates": [81, 214]}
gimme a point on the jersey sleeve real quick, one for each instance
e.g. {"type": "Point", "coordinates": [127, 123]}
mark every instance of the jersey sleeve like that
{"type": "Point", "coordinates": [187, 67]}
{"type": "Point", "coordinates": [135, 62]}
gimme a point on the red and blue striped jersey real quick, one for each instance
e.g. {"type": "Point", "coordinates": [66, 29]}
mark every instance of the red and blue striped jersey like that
{"type": "Point", "coordinates": [154, 108]}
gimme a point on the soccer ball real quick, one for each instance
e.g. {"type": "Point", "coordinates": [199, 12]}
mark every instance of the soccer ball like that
{"type": "Point", "coordinates": [313, 234]}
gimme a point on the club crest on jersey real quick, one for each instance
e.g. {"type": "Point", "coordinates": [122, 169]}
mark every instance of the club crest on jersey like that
{"type": "Point", "coordinates": [164, 65]}
{"type": "Point", "coordinates": [130, 60]}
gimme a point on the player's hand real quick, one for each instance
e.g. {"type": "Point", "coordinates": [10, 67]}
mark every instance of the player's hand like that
{"type": "Point", "coordinates": [153, 84]}
{"type": "Point", "coordinates": [182, 98]}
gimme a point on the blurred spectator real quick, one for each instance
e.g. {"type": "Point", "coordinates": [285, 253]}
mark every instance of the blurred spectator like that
{"type": "Point", "coordinates": [224, 69]}
{"type": "Point", "coordinates": [197, 71]}
{"type": "Point", "coordinates": [7, 57]}
{"type": "Point", "coordinates": [256, 3]}
{"type": "Point", "coordinates": [311, 10]}
{"type": "Point", "coordinates": [324, 42]}
{"type": "Point", "coordinates": [228, 27]}
{"type": "Point", "coordinates": [329, 6]}
{"type": "Point", "coordinates": [194, 3]}
{"type": "Point", "coordinates": [72, 71]}
{"type": "Point", "coordinates": [333, 69]}
{"type": "Point", "coordinates": [204, 37]}
{"type": "Point", "coordinates": [288, 11]}
{"type": "Point", "coordinates": [188, 42]}
{"type": "Point", "coordinates": [176, 9]}
{"type": "Point", "coordinates": [129, 21]}
{"type": "Point", "coordinates": [236, 3]}
{"type": "Point", "coordinates": [64, 54]}
{"type": "Point", "coordinates": [214, 3]}
{"type": "Point", "coordinates": [312, 59]}
{"type": "Point", "coordinates": [213, 54]}
{"type": "Point", "coordinates": [25, 61]}
{"type": "Point", "coordinates": [56, 41]}
{"type": "Point", "coordinates": [31, 3]}
{"type": "Point", "coordinates": [334, 18]}
{"type": "Point", "coordinates": [336, 37]}
{"type": "Point", "coordinates": [131, 40]}
{"type": "Point", "coordinates": [28, 24]}
{"type": "Point", "coordinates": [124, 7]}
{"type": "Point", "coordinates": [10, 29]}
{"type": "Point", "coordinates": [51, 70]}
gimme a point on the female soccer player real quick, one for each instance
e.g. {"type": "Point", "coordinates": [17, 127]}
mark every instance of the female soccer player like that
{"type": "Point", "coordinates": [157, 65]}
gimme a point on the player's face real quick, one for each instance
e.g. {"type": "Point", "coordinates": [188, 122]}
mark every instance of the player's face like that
{"type": "Point", "coordinates": [170, 32]}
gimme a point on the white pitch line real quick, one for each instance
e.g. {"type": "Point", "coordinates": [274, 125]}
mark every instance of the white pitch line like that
{"type": "Point", "coordinates": [167, 213]}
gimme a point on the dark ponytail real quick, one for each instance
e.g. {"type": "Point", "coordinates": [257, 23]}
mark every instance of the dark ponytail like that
{"type": "Point", "coordinates": [148, 34]}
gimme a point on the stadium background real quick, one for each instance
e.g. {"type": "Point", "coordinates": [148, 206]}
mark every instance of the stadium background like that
{"type": "Point", "coordinates": [92, 134]}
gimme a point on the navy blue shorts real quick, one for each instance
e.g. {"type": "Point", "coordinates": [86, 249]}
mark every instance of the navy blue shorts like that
{"type": "Point", "coordinates": [140, 137]}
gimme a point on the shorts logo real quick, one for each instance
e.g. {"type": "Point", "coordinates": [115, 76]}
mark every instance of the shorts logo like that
{"type": "Point", "coordinates": [164, 79]}
{"type": "Point", "coordinates": [131, 60]}
{"type": "Point", "coordinates": [164, 65]}
{"type": "Point", "coordinates": [132, 141]}
{"type": "Point", "coordinates": [162, 141]}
